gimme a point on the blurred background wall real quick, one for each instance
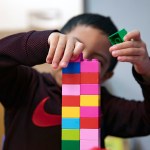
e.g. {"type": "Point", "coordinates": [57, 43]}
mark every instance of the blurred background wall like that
{"type": "Point", "coordinates": [24, 15]}
{"type": "Point", "coordinates": [17, 14]}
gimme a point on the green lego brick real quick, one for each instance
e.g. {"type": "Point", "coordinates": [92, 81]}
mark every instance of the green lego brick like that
{"type": "Point", "coordinates": [117, 37]}
{"type": "Point", "coordinates": [70, 134]}
{"type": "Point", "coordinates": [70, 145]}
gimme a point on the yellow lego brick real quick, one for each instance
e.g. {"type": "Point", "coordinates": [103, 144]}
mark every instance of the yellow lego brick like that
{"type": "Point", "coordinates": [70, 112]}
{"type": "Point", "coordinates": [89, 100]}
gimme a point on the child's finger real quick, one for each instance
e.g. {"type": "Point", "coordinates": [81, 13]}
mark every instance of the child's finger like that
{"type": "Point", "coordinates": [53, 41]}
{"type": "Point", "coordinates": [68, 52]}
{"type": "Point", "coordinates": [59, 51]}
{"type": "Point", "coordinates": [128, 52]}
{"type": "Point", "coordinates": [131, 59]}
{"type": "Point", "coordinates": [133, 35]}
{"type": "Point", "coordinates": [127, 44]}
{"type": "Point", "coordinates": [79, 47]}
{"type": "Point", "coordinates": [73, 50]}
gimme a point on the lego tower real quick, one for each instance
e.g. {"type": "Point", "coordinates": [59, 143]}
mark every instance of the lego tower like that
{"type": "Point", "coordinates": [81, 105]}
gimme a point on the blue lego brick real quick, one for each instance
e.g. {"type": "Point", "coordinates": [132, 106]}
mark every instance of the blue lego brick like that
{"type": "Point", "coordinates": [70, 123]}
{"type": "Point", "coordinates": [72, 68]}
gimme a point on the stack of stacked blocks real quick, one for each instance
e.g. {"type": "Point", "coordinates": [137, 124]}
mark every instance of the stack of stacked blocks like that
{"type": "Point", "coordinates": [81, 105]}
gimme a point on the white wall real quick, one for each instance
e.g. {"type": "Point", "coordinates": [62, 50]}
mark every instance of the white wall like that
{"type": "Point", "coordinates": [14, 14]}
{"type": "Point", "coordinates": [128, 14]}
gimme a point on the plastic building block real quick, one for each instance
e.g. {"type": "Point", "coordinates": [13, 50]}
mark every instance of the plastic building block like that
{"type": "Point", "coordinates": [89, 89]}
{"type": "Point", "coordinates": [89, 111]}
{"type": "Point", "coordinates": [71, 100]}
{"type": "Point", "coordinates": [117, 37]}
{"type": "Point", "coordinates": [70, 134]}
{"type": "Point", "coordinates": [89, 100]}
{"type": "Point", "coordinates": [71, 79]}
{"type": "Point", "coordinates": [89, 122]}
{"type": "Point", "coordinates": [88, 144]}
{"type": "Point", "coordinates": [89, 77]}
{"type": "Point", "coordinates": [70, 123]}
{"type": "Point", "coordinates": [73, 67]}
{"type": "Point", "coordinates": [70, 112]}
{"type": "Point", "coordinates": [70, 89]}
{"type": "Point", "coordinates": [70, 145]}
{"type": "Point", "coordinates": [89, 134]}
{"type": "Point", "coordinates": [90, 66]}
{"type": "Point", "coordinates": [97, 148]}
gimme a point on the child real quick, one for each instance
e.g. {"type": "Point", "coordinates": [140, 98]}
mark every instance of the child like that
{"type": "Point", "coordinates": [32, 100]}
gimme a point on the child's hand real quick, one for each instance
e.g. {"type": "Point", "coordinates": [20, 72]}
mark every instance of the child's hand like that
{"type": "Point", "coordinates": [133, 50]}
{"type": "Point", "coordinates": [62, 49]}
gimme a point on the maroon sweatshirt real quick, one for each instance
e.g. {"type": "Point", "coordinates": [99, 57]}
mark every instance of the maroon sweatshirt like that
{"type": "Point", "coordinates": [32, 100]}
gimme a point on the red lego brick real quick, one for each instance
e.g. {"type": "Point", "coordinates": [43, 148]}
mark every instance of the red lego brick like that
{"type": "Point", "coordinates": [89, 78]}
{"type": "Point", "coordinates": [89, 123]}
{"type": "Point", "coordinates": [70, 100]}
{"type": "Point", "coordinates": [71, 79]}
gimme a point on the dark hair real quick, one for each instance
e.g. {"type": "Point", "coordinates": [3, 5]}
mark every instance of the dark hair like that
{"type": "Point", "coordinates": [94, 20]}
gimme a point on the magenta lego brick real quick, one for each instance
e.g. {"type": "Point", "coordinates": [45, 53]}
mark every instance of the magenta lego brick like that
{"type": "Point", "coordinates": [89, 111]}
{"type": "Point", "coordinates": [90, 66]}
{"type": "Point", "coordinates": [78, 59]}
{"type": "Point", "coordinates": [90, 89]}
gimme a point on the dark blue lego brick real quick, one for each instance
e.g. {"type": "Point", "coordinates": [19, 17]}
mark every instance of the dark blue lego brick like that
{"type": "Point", "coordinates": [72, 68]}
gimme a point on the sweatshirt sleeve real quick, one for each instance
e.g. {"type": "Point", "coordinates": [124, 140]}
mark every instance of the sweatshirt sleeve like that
{"type": "Point", "coordinates": [127, 118]}
{"type": "Point", "coordinates": [27, 49]}
{"type": "Point", "coordinates": [18, 53]}
{"type": "Point", "coordinates": [144, 85]}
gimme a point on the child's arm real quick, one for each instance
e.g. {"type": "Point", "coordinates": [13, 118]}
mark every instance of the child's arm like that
{"type": "Point", "coordinates": [21, 50]}
{"type": "Point", "coordinates": [133, 50]}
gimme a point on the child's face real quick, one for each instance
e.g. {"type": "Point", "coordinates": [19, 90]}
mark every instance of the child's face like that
{"type": "Point", "coordinates": [97, 46]}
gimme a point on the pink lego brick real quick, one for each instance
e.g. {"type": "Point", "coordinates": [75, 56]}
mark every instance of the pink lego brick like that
{"type": "Point", "coordinates": [89, 144]}
{"type": "Point", "coordinates": [80, 58]}
{"type": "Point", "coordinates": [89, 111]}
{"type": "Point", "coordinates": [89, 134]}
{"type": "Point", "coordinates": [70, 89]}
{"type": "Point", "coordinates": [87, 89]}
{"type": "Point", "coordinates": [90, 66]}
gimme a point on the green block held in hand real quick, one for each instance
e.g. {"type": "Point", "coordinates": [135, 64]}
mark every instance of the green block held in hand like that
{"type": "Point", "coordinates": [117, 37]}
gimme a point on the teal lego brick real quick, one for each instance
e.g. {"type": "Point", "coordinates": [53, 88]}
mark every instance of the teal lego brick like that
{"type": "Point", "coordinates": [70, 123]}
{"type": "Point", "coordinates": [70, 145]}
{"type": "Point", "coordinates": [117, 37]}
